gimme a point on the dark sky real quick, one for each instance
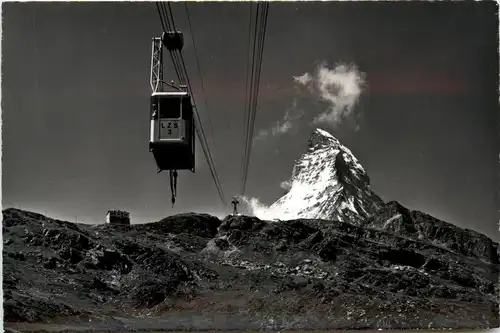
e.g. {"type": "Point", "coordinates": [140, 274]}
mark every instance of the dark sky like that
{"type": "Point", "coordinates": [75, 104]}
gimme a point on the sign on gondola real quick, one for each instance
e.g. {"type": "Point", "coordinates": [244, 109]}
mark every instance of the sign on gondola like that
{"type": "Point", "coordinates": [171, 129]}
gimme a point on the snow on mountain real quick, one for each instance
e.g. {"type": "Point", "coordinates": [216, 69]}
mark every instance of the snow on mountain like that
{"type": "Point", "coordinates": [328, 182]}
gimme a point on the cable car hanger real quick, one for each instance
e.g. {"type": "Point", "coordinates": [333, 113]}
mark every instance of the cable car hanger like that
{"type": "Point", "coordinates": [171, 84]}
{"type": "Point", "coordinates": [189, 122]}
{"type": "Point", "coordinates": [172, 127]}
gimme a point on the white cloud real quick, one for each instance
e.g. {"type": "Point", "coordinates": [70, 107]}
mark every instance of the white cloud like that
{"type": "Point", "coordinates": [260, 210]}
{"type": "Point", "coordinates": [286, 185]}
{"type": "Point", "coordinates": [254, 207]}
{"type": "Point", "coordinates": [341, 87]}
{"type": "Point", "coordinates": [284, 125]}
{"type": "Point", "coordinates": [304, 79]}
{"type": "Point", "coordinates": [262, 134]}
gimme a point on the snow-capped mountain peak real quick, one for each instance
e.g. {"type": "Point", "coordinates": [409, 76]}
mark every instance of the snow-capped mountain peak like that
{"type": "Point", "coordinates": [328, 182]}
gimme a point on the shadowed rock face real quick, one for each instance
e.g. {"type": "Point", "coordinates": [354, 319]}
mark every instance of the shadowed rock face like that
{"type": "Point", "coordinates": [331, 274]}
{"type": "Point", "coordinates": [400, 220]}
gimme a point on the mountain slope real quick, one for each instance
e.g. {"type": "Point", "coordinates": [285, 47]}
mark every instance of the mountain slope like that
{"type": "Point", "coordinates": [328, 183]}
{"type": "Point", "coordinates": [195, 272]}
{"type": "Point", "coordinates": [417, 225]}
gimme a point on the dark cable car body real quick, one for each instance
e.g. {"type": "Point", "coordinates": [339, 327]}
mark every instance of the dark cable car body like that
{"type": "Point", "coordinates": [172, 131]}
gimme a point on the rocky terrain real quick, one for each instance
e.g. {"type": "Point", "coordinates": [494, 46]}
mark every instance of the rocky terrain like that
{"type": "Point", "coordinates": [342, 259]}
{"type": "Point", "coordinates": [194, 271]}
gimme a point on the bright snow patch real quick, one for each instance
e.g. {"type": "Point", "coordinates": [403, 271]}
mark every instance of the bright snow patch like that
{"type": "Point", "coordinates": [325, 133]}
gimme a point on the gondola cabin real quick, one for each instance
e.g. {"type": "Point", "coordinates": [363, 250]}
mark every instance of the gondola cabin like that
{"type": "Point", "coordinates": [172, 130]}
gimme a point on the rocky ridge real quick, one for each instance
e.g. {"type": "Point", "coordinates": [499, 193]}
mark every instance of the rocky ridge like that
{"type": "Point", "coordinates": [244, 272]}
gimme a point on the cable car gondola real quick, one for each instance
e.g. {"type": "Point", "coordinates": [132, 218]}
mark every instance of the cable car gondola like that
{"type": "Point", "coordinates": [172, 134]}
{"type": "Point", "coordinates": [172, 130]}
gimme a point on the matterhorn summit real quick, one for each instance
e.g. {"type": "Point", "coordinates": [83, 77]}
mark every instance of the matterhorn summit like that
{"type": "Point", "coordinates": [327, 183]}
